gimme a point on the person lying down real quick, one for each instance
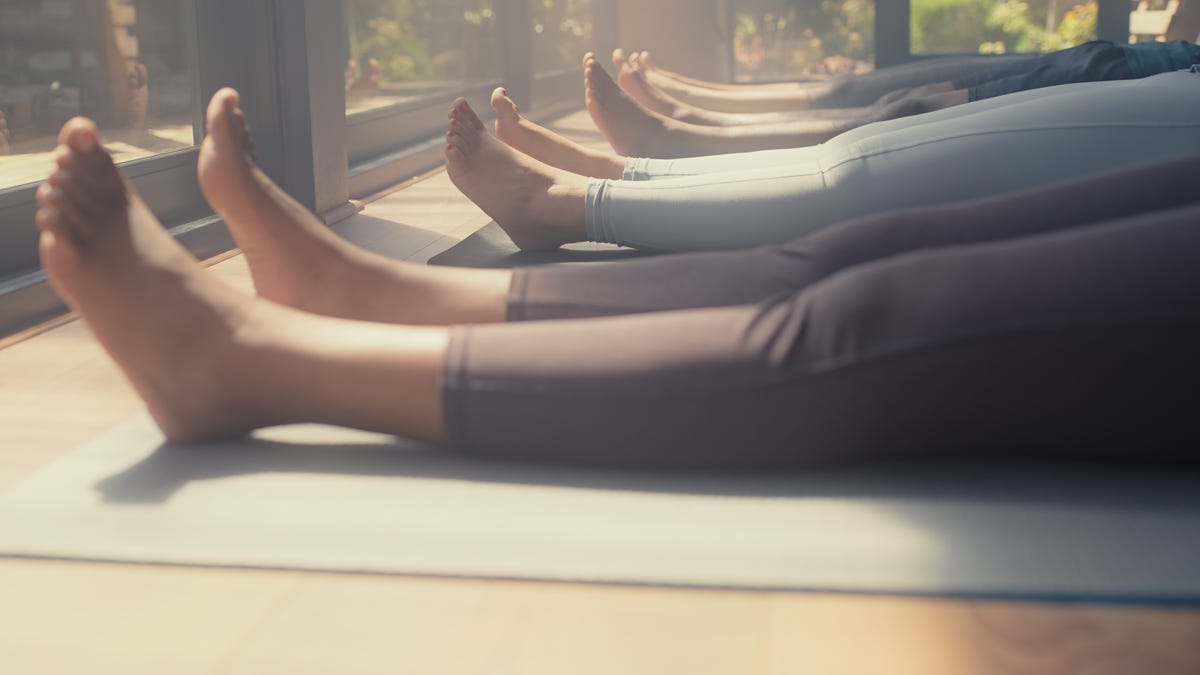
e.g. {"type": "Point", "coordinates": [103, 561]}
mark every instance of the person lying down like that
{"type": "Point", "coordinates": [643, 119]}
{"type": "Point", "coordinates": [1058, 321]}
{"type": "Point", "coordinates": [546, 191]}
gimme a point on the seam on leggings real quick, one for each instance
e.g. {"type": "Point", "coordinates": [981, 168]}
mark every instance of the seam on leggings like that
{"type": "Point", "coordinates": [518, 292]}
{"type": "Point", "coordinates": [592, 309]}
{"type": "Point", "coordinates": [996, 132]}
{"type": "Point", "coordinates": [454, 383]}
{"type": "Point", "coordinates": [658, 184]}
{"type": "Point", "coordinates": [826, 367]}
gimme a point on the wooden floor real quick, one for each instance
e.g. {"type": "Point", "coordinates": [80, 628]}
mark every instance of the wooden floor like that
{"type": "Point", "coordinates": [57, 390]}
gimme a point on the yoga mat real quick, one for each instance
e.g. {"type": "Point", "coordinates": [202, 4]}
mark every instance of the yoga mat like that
{"type": "Point", "coordinates": [491, 247]}
{"type": "Point", "coordinates": [321, 498]}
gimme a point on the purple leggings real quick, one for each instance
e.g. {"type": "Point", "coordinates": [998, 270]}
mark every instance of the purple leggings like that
{"type": "Point", "coordinates": [1061, 321]}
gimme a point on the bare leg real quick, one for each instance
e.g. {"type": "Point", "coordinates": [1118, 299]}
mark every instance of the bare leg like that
{"type": "Point", "coordinates": [210, 362]}
{"type": "Point", "coordinates": [634, 131]}
{"type": "Point", "coordinates": [297, 261]}
{"type": "Point", "coordinates": [547, 146]}
{"type": "Point", "coordinates": [676, 79]}
{"type": "Point", "coordinates": [731, 98]}
{"type": "Point", "coordinates": [632, 78]}
{"type": "Point", "coordinates": [539, 206]}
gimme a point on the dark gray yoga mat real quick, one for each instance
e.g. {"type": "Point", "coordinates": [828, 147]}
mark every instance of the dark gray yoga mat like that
{"type": "Point", "coordinates": [322, 498]}
{"type": "Point", "coordinates": [491, 247]}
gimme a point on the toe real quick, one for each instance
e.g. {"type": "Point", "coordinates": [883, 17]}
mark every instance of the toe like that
{"type": "Point", "coordinates": [87, 175]}
{"type": "Point", "coordinates": [618, 57]}
{"type": "Point", "coordinates": [459, 141]}
{"type": "Point", "coordinates": [55, 233]}
{"type": "Point", "coordinates": [504, 106]}
{"type": "Point", "coordinates": [226, 127]}
{"type": "Point", "coordinates": [80, 135]}
{"type": "Point", "coordinates": [47, 195]}
{"type": "Point", "coordinates": [65, 191]}
{"type": "Point", "coordinates": [470, 120]}
{"type": "Point", "coordinates": [455, 156]}
{"type": "Point", "coordinates": [61, 212]}
{"type": "Point", "coordinates": [220, 107]}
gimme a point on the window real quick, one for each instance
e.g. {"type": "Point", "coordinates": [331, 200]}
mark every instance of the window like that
{"type": "Point", "coordinates": [402, 51]}
{"type": "Point", "coordinates": [119, 63]}
{"type": "Point", "coordinates": [145, 68]}
{"type": "Point", "coordinates": [561, 34]}
{"type": "Point", "coordinates": [778, 39]}
{"type": "Point", "coordinates": [1001, 26]}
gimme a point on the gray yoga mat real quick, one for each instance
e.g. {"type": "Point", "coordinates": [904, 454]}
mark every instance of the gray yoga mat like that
{"type": "Point", "coordinates": [491, 247]}
{"type": "Point", "coordinates": [322, 498]}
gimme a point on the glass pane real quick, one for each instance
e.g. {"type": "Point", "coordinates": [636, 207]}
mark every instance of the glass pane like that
{"type": "Point", "coordinates": [562, 34]}
{"type": "Point", "coordinates": [796, 39]}
{"type": "Point", "coordinates": [1000, 26]}
{"type": "Point", "coordinates": [406, 49]}
{"type": "Point", "coordinates": [124, 64]}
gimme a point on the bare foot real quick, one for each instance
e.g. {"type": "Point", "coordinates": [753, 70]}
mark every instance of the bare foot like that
{"type": "Point", "coordinates": [169, 325]}
{"type": "Point", "coordinates": [632, 79]}
{"type": "Point", "coordinates": [4, 146]}
{"type": "Point", "coordinates": [632, 130]}
{"type": "Point", "coordinates": [546, 146]}
{"type": "Point", "coordinates": [295, 260]}
{"type": "Point", "coordinates": [293, 257]}
{"type": "Point", "coordinates": [539, 206]}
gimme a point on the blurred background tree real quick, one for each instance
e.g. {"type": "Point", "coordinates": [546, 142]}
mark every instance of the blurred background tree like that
{"type": "Point", "coordinates": [423, 40]}
{"type": "Point", "coordinates": [1001, 26]}
{"type": "Point", "coordinates": [780, 38]}
{"type": "Point", "coordinates": [562, 33]}
{"type": "Point", "coordinates": [789, 38]}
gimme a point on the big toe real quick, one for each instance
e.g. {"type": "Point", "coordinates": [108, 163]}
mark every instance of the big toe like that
{"type": "Point", "coordinates": [618, 57]}
{"type": "Point", "coordinates": [80, 135]}
{"type": "Point", "coordinates": [220, 109]}
{"type": "Point", "coordinates": [504, 107]}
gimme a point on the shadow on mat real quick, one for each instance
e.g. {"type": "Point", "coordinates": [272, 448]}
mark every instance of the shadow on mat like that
{"type": "Point", "coordinates": [490, 247]}
{"type": "Point", "coordinates": [1161, 488]}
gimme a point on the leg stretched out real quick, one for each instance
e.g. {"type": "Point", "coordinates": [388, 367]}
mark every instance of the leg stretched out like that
{"type": "Point", "coordinates": [841, 91]}
{"type": "Point", "coordinates": [940, 350]}
{"type": "Point", "coordinates": [297, 261]}
{"type": "Point", "coordinates": [209, 361]}
{"type": "Point", "coordinates": [1076, 343]}
{"type": "Point", "coordinates": [985, 148]}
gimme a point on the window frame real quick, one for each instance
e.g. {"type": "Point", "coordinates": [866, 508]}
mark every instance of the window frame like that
{"type": "Point", "coordinates": [279, 54]}
{"type": "Point", "coordinates": [414, 129]}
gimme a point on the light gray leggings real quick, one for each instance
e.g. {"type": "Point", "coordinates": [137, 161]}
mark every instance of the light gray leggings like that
{"type": "Point", "coordinates": [984, 148]}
